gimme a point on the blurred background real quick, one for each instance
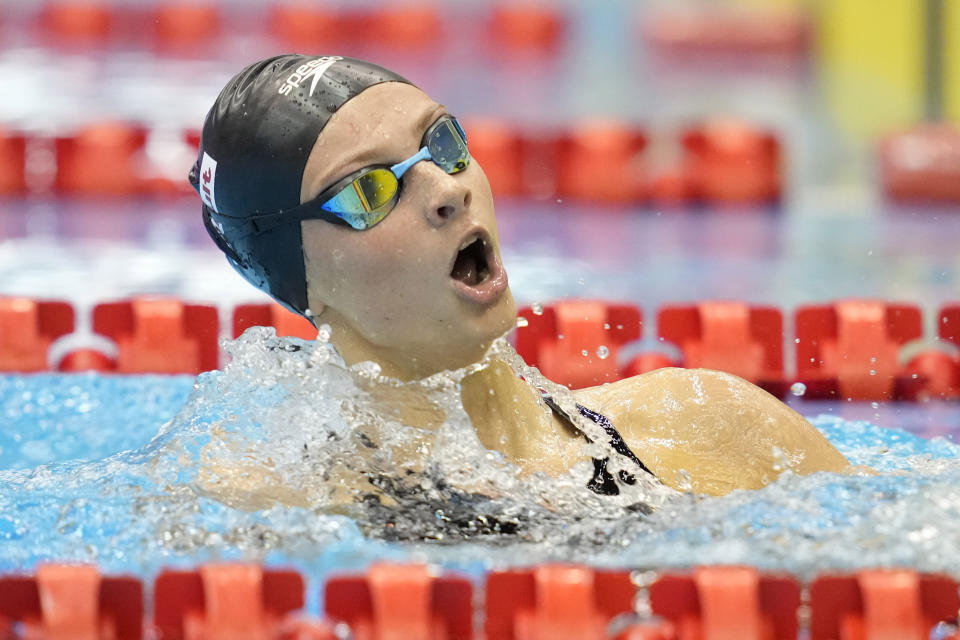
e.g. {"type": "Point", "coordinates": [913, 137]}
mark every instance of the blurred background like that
{"type": "Point", "coordinates": [764, 152]}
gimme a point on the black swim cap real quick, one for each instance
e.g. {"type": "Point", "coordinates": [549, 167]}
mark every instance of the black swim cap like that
{"type": "Point", "coordinates": [254, 148]}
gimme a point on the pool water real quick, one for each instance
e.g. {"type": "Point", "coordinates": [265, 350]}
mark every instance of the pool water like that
{"type": "Point", "coordinates": [262, 460]}
{"type": "Point", "coordinates": [273, 458]}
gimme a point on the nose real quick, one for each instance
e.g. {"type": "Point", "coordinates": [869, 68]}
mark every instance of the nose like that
{"type": "Point", "coordinates": [447, 195]}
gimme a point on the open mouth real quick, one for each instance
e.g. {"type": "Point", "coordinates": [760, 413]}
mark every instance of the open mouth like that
{"type": "Point", "coordinates": [471, 266]}
{"type": "Point", "coordinates": [477, 273]}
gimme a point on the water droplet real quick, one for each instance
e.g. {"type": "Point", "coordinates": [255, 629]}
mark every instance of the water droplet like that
{"type": "Point", "coordinates": [873, 359]}
{"type": "Point", "coordinates": [606, 326]}
{"type": "Point", "coordinates": [584, 353]}
{"type": "Point", "coordinates": [537, 309]}
{"type": "Point", "coordinates": [522, 322]}
{"type": "Point", "coordinates": [798, 388]}
{"type": "Point", "coordinates": [796, 340]}
{"type": "Point", "coordinates": [603, 352]}
{"type": "Point", "coordinates": [580, 281]}
{"type": "Point", "coordinates": [875, 405]}
{"type": "Point", "coordinates": [915, 376]}
{"type": "Point", "coordinates": [873, 372]}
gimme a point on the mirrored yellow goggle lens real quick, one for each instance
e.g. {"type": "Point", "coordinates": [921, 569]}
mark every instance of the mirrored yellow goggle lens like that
{"type": "Point", "coordinates": [366, 200]}
{"type": "Point", "coordinates": [375, 189]}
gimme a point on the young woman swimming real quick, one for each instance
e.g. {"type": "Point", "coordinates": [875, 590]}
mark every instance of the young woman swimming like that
{"type": "Point", "coordinates": [350, 196]}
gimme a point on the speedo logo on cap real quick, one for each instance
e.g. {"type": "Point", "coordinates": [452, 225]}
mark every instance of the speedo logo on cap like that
{"type": "Point", "coordinates": [313, 69]}
{"type": "Point", "coordinates": [208, 178]}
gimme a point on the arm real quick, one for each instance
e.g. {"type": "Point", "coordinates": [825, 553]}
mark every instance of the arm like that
{"type": "Point", "coordinates": [711, 432]}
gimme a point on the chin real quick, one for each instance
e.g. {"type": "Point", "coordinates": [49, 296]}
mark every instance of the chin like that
{"type": "Point", "coordinates": [495, 320]}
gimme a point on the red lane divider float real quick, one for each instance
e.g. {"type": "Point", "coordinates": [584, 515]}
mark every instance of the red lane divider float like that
{"type": "Point", "coordinates": [881, 605]}
{"type": "Point", "coordinates": [27, 327]}
{"type": "Point", "coordinates": [723, 162]}
{"type": "Point", "coordinates": [402, 602]}
{"type": "Point", "coordinates": [103, 159]}
{"type": "Point", "coordinates": [72, 602]}
{"type": "Point", "coordinates": [273, 315]}
{"type": "Point", "coordinates": [576, 342]}
{"type": "Point", "coordinates": [555, 603]}
{"type": "Point", "coordinates": [731, 162]}
{"type": "Point", "coordinates": [306, 26]}
{"type": "Point", "coordinates": [850, 349]}
{"type": "Point", "coordinates": [526, 27]}
{"type": "Point", "coordinates": [180, 25]}
{"type": "Point", "coordinates": [413, 602]}
{"type": "Point", "coordinates": [414, 26]}
{"type": "Point", "coordinates": [728, 602]}
{"type": "Point", "coordinates": [935, 372]}
{"type": "Point", "coordinates": [160, 335]}
{"type": "Point", "coordinates": [602, 160]}
{"type": "Point", "coordinates": [232, 602]}
{"type": "Point", "coordinates": [711, 29]}
{"type": "Point", "coordinates": [76, 22]}
{"type": "Point", "coordinates": [729, 336]}
{"type": "Point", "coordinates": [499, 149]}
{"type": "Point", "coordinates": [13, 149]}
{"type": "Point", "coordinates": [922, 163]}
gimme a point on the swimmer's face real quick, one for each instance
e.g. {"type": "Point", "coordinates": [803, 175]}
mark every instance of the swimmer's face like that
{"type": "Point", "coordinates": [424, 290]}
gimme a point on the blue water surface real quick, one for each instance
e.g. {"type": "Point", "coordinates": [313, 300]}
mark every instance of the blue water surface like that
{"type": "Point", "coordinates": [54, 417]}
{"type": "Point", "coordinates": [118, 513]}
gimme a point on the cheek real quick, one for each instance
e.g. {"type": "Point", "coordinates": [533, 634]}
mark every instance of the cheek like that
{"type": "Point", "coordinates": [377, 273]}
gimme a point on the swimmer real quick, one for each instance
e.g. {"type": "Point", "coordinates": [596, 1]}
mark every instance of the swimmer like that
{"type": "Point", "coordinates": [349, 195]}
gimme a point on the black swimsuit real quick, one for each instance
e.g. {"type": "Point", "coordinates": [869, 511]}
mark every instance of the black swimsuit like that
{"type": "Point", "coordinates": [602, 481]}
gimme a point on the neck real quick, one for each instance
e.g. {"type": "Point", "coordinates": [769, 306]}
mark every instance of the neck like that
{"type": "Point", "coordinates": [401, 363]}
{"type": "Point", "coordinates": [508, 415]}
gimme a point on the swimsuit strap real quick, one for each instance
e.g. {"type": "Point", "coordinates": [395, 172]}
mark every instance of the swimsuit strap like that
{"type": "Point", "coordinates": [602, 481]}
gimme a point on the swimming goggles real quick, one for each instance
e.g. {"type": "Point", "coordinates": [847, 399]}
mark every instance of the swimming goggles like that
{"type": "Point", "coordinates": [365, 197]}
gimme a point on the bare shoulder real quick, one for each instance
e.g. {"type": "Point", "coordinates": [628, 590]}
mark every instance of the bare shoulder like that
{"type": "Point", "coordinates": [719, 430]}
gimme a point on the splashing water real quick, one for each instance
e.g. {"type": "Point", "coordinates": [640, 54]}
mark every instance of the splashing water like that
{"type": "Point", "coordinates": [289, 454]}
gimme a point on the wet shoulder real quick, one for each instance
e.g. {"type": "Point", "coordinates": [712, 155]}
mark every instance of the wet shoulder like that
{"type": "Point", "coordinates": [716, 428]}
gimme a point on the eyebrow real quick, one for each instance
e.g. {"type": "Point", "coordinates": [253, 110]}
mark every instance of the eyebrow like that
{"type": "Point", "coordinates": [428, 119]}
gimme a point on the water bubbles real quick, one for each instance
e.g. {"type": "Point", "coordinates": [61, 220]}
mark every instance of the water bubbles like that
{"type": "Point", "coordinates": [537, 309]}
{"type": "Point", "coordinates": [603, 352]}
{"type": "Point", "coordinates": [323, 333]}
{"type": "Point", "coordinates": [522, 322]}
{"type": "Point", "coordinates": [369, 370]}
{"type": "Point", "coordinates": [798, 389]}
